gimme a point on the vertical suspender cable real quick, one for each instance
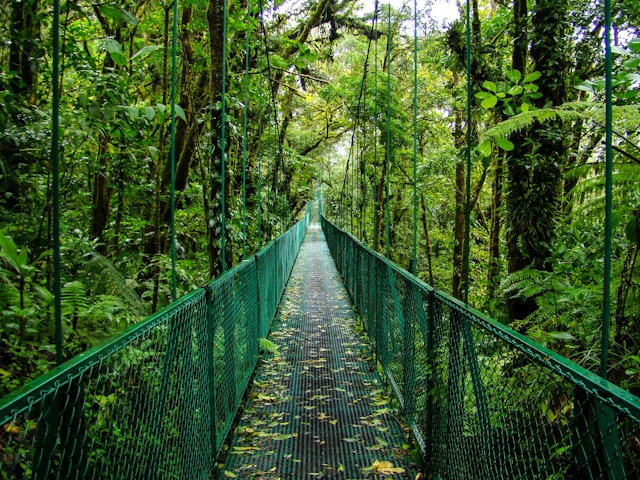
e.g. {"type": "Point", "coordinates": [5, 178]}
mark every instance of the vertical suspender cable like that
{"type": "Point", "coordinates": [244, 131]}
{"type": "Point", "coordinates": [353, 149]}
{"type": "Point", "coordinates": [388, 179]}
{"type": "Point", "coordinates": [363, 160]}
{"type": "Point", "coordinates": [415, 137]}
{"type": "Point", "coordinates": [275, 119]}
{"type": "Point", "coordinates": [375, 136]}
{"type": "Point", "coordinates": [467, 239]}
{"type": "Point", "coordinates": [259, 202]}
{"type": "Point", "coordinates": [172, 156]}
{"type": "Point", "coordinates": [604, 356]}
{"type": "Point", "coordinates": [270, 200]}
{"type": "Point", "coordinates": [223, 138]}
{"type": "Point", "coordinates": [354, 183]}
{"type": "Point", "coordinates": [55, 172]}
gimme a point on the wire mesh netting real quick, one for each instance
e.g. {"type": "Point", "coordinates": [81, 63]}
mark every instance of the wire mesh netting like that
{"type": "Point", "coordinates": [483, 401]}
{"type": "Point", "coordinates": [157, 400]}
{"type": "Point", "coordinates": [317, 408]}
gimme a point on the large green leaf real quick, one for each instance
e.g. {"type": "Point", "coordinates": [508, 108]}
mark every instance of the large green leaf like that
{"type": "Point", "coordinates": [505, 144]}
{"type": "Point", "coordinates": [180, 112]}
{"type": "Point", "coordinates": [145, 51]}
{"type": "Point", "coordinates": [489, 102]}
{"type": "Point", "coordinates": [532, 77]}
{"type": "Point", "coordinates": [10, 251]}
{"type": "Point", "coordinates": [485, 148]}
{"type": "Point", "coordinates": [514, 76]}
{"type": "Point", "coordinates": [489, 85]}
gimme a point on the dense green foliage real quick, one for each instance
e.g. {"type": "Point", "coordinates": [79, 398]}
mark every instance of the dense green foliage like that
{"type": "Point", "coordinates": [312, 119]}
{"type": "Point", "coordinates": [537, 179]}
{"type": "Point", "coordinates": [115, 169]}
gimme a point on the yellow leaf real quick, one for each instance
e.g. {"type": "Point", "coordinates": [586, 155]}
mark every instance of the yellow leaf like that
{"type": "Point", "coordinates": [245, 449]}
{"type": "Point", "coordinates": [12, 429]}
{"type": "Point", "coordinates": [229, 474]}
{"type": "Point", "coordinates": [385, 468]}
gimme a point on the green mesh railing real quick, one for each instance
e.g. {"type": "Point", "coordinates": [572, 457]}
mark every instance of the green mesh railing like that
{"type": "Point", "coordinates": [483, 401]}
{"type": "Point", "coordinates": [158, 400]}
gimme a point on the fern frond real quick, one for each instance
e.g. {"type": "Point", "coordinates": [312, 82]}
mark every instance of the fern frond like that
{"type": "Point", "coordinates": [588, 199]}
{"type": "Point", "coordinates": [625, 115]}
{"type": "Point", "coordinates": [623, 179]}
{"type": "Point", "coordinates": [106, 309]}
{"type": "Point", "coordinates": [521, 121]}
{"type": "Point", "coordinates": [545, 313]}
{"type": "Point", "coordinates": [106, 279]}
{"type": "Point", "coordinates": [74, 298]}
{"type": "Point", "coordinates": [521, 280]}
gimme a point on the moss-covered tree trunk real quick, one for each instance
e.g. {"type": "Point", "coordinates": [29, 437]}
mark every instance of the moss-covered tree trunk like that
{"type": "Point", "coordinates": [215, 20]}
{"type": "Point", "coordinates": [535, 167]}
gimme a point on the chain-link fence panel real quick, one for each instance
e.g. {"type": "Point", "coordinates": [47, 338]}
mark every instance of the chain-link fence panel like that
{"type": "Point", "coordinates": [483, 401]}
{"type": "Point", "coordinates": [157, 400]}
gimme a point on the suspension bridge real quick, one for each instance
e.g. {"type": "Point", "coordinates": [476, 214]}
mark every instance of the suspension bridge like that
{"type": "Point", "coordinates": [317, 357]}
{"type": "Point", "coordinates": [478, 400]}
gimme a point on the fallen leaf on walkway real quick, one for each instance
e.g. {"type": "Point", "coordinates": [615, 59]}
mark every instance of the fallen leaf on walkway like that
{"type": "Point", "coordinates": [385, 468]}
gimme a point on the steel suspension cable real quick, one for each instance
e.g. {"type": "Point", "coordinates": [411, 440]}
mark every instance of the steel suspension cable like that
{"type": "Point", "coordinates": [55, 172]}
{"type": "Point", "coordinates": [363, 182]}
{"type": "Point", "coordinates": [223, 139]}
{"type": "Point", "coordinates": [415, 137]}
{"type": "Point", "coordinates": [260, 106]}
{"type": "Point", "coordinates": [467, 208]}
{"type": "Point", "coordinates": [606, 296]}
{"type": "Point", "coordinates": [272, 194]}
{"type": "Point", "coordinates": [388, 177]}
{"type": "Point", "coordinates": [375, 138]}
{"type": "Point", "coordinates": [354, 190]}
{"type": "Point", "coordinates": [172, 155]}
{"type": "Point", "coordinates": [353, 143]}
{"type": "Point", "coordinates": [244, 131]}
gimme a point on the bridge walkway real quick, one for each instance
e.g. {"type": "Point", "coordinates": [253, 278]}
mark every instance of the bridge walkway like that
{"type": "Point", "coordinates": [317, 408]}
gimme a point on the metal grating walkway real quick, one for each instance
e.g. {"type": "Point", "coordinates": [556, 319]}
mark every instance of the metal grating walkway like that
{"type": "Point", "coordinates": [316, 407]}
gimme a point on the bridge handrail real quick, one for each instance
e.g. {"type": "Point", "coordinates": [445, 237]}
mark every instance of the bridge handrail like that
{"type": "Point", "coordinates": [135, 397]}
{"type": "Point", "coordinates": [442, 356]}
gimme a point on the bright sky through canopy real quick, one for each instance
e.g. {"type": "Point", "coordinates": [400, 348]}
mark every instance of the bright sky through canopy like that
{"type": "Point", "coordinates": [441, 10]}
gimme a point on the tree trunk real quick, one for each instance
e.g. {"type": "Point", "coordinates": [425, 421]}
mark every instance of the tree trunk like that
{"type": "Point", "coordinates": [427, 238]}
{"type": "Point", "coordinates": [380, 207]}
{"type": "Point", "coordinates": [24, 46]}
{"type": "Point", "coordinates": [458, 233]}
{"type": "Point", "coordinates": [519, 63]}
{"type": "Point", "coordinates": [535, 167]}
{"type": "Point", "coordinates": [215, 18]}
{"type": "Point", "coordinates": [493, 272]}
{"type": "Point", "coordinates": [101, 196]}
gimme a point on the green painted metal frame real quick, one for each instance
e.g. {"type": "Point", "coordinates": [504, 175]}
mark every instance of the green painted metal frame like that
{"type": "Point", "coordinates": [482, 400]}
{"type": "Point", "coordinates": [158, 399]}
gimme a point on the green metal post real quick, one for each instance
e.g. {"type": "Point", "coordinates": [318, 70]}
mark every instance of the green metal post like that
{"type": "Point", "coordinates": [211, 370]}
{"type": "Point", "coordinates": [415, 138]}
{"type": "Point", "coordinates": [245, 111]}
{"type": "Point", "coordinates": [467, 208]}
{"type": "Point", "coordinates": [455, 399]}
{"type": "Point", "coordinates": [431, 375]}
{"type": "Point", "coordinates": [608, 209]}
{"type": "Point", "coordinates": [482, 411]}
{"type": "Point", "coordinates": [55, 174]}
{"type": "Point", "coordinates": [174, 76]}
{"type": "Point", "coordinates": [223, 138]}
{"type": "Point", "coordinates": [388, 179]}
{"type": "Point", "coordinates": [410, 318]}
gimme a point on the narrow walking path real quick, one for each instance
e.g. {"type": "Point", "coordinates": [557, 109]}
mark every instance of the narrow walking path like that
{"type": "Point", "coordinates": [316, 408]}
